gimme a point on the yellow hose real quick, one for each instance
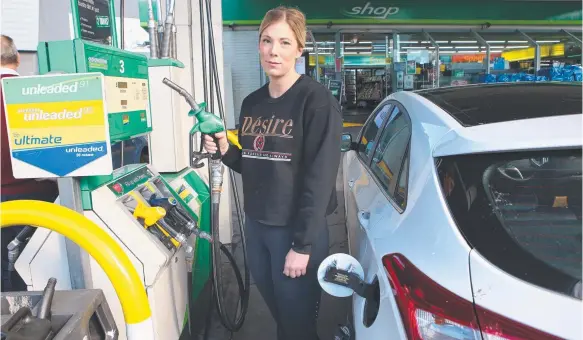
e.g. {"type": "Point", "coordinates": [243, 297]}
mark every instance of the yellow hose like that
{"type": "Point", "coordinates": [108, 254]}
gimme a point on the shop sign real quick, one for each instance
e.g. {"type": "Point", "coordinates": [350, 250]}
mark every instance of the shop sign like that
{"type": "Point", "coordinates": [371, 12]}
{"type": "Point", "coordinates": [349, 60]}
{"type": "Point", "coordinates": [458, 73]}
{"type": "Point", "coordinates": [473, 58]}
{"type": "Point", "coordinates": [445, 58]}
{"type": "Point", "coordinates": [556, 50]}
{"type": "Point", "coordinates": [335, 86]}
{"type": "Point", "coordinates": [323, 60]}
{"type": "Point", "coordinates": [365, 60]}
{"type": "Point", "coordinates": [411, 67]}
{"type": "Point", "coordinates": [535, 12]}
{"type": "Point", "coordinates": [94, 20]}
{"type": "Point", "coordinates": [57, 125]}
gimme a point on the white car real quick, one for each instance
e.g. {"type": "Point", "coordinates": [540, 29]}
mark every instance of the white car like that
{"type": "Point", "coordinates": [463, 207]}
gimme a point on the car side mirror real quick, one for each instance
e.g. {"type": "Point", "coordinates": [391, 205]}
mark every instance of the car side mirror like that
{"type": "Point", "coordinates": [347, 143]}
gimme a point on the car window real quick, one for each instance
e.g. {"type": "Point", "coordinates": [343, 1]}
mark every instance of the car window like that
{"type": "Point", "coordinates": [388, 156]}
{"type": "Point", "coordinates": [401, 189]}
{"type": "Point", "coordinates": [521, 211]}
{"type": "Point", "coordinates": [370, 131]}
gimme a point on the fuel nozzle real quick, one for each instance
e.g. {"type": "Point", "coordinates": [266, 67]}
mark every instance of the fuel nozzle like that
{"type": "Point", "coordinates": [154, 219]}
{"type": "Point", "coordinates": [207, 123]}
{"type": "Point", "coordinates": [183, 221]}
{"type": "Point", "coordinates": [170, 204]}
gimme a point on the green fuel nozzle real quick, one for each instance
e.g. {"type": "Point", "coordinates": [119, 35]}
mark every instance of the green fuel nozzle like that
{"type": "Point", "coordinates": [207, 123]}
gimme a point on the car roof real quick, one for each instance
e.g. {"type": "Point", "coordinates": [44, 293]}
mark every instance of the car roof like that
{"type": "Point", "coordinates": [494, 103]}
{"type": "Point", "coordinates": [446, 136]}
{"type": "Point", "coordinates": [560, 132]}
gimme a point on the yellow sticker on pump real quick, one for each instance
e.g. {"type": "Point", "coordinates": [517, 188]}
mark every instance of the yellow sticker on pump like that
{"type": "Point", "coordinates": [184, 194]}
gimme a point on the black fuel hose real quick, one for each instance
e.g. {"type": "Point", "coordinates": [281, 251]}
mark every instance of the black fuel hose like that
{"type": "Point", "coordinates": [216, 246]}
{"type": "Point", "coordinates": [217, 275]}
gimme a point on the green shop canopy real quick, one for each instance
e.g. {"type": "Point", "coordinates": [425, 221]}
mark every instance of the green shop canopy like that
{"type": "Point", "coordinates": [500, 12]}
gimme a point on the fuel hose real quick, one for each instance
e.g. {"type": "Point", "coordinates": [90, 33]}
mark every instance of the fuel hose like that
{"type": "Point", "coordinates": [208, 123]}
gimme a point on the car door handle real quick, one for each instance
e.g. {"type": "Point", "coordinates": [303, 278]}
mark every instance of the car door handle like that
{"type": "Point", "coordinates": [351, 183]}
{"type": "Point", "coordinates": [364, 218]}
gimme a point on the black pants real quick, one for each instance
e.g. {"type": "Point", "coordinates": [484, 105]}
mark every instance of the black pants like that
{"type": "Point", "coordinates": [293, 303]}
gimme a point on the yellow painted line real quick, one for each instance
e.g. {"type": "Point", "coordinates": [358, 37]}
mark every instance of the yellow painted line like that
{"type": "Point", "coordinates": [352, 124]}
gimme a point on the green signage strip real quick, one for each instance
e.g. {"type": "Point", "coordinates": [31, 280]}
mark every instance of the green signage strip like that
{"type": "Point", "coordinates": [112, 63]}
{"type": "Point", "coordinates": [357, 60]}
{"type": "Point", "coordinates": [126, 180]}
{"type": "Point", "coordinates": [251, 12]}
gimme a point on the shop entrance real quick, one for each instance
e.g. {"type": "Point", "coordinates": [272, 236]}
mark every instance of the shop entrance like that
{"type": "Point", "coordinates": [371, 66]}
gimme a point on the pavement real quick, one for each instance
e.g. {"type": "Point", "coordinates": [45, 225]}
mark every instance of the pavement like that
{"type": "Point", "coordinates": [259, 325]}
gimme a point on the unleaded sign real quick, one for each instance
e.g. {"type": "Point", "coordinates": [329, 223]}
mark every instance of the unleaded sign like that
{"type": "Point", "coordinates": [57, 125]}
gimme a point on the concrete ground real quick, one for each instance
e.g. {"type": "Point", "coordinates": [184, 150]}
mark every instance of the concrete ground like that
{"type": "Point", "coordinates": [259, 325]}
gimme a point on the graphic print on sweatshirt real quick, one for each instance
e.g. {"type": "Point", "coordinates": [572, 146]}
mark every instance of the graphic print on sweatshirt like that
{"type": "Point", "coordinates": [263, 134]}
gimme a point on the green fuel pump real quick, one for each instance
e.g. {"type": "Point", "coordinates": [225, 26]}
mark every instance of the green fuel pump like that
{"type": "Point", "coordinates": [210, 124]}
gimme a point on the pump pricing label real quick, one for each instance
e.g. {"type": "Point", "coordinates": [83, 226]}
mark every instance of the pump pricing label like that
{"type": "Point", "coordinates": [57, 125]}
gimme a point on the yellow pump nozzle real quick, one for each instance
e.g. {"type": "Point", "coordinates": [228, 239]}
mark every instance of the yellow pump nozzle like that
{"type": "Point", "coordinates": [150, 215]}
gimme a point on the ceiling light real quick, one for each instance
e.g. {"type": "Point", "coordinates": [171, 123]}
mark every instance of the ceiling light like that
{"type": "Point", "coordinates": [495, 41]}
{"type": "Point", "coordinates": [463, 42]}
{"type": "Point", "coordinates": [517, 41]}
{"type": "Point", "coordinates": [548, 41]}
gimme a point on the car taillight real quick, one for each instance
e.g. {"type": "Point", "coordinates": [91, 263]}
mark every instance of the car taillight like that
{"type": "Point", "coordinates": [431, 312]}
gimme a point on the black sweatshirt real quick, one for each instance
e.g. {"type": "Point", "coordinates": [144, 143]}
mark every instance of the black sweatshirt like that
{"type": "Point", "coordinates": [290, 157]}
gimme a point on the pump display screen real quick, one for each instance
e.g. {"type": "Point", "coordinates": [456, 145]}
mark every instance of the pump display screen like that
{"type": "Point", "coordinates": [95, 21]}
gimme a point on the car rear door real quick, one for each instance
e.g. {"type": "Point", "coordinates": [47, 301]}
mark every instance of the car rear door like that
{"type": "Point", "coordinates": [379, 196]}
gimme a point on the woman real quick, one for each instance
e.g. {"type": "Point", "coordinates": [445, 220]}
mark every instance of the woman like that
{"type": "Point", "coordinates": [290, 132]}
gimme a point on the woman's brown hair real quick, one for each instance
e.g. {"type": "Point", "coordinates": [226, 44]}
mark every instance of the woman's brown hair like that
{"type": "Point", "coordinates": [292, 16]}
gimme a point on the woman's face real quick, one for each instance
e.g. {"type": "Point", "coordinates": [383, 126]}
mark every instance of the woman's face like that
{"type": "Point", "coordinates": [278, 49]}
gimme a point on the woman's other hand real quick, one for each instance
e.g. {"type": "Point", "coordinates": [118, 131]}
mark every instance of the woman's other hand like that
{"type": "Point", "coordinates": [295, 264]}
